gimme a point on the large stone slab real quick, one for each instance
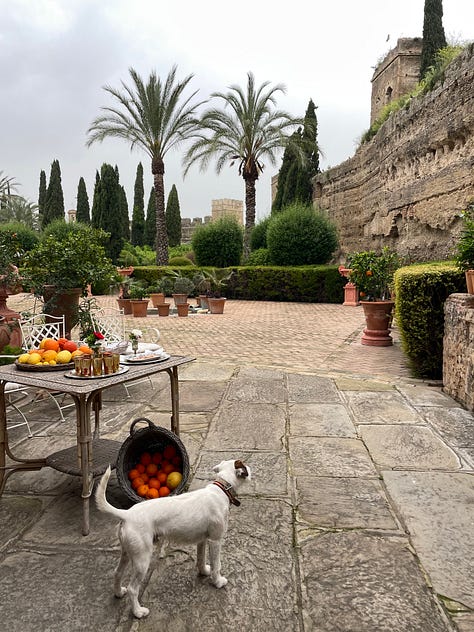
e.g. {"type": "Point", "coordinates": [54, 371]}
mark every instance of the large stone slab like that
{"type": "Point", "coordinates": [357, 582]}
{"type": "Point", "coordinates": [343, 503]}
{"type": "Point", "coordinates": [206, 371]}
{"type": "Point", "coordinates": [321, 456]}
{"type": "Point", "coordinates": [247, 426]}
{"type": "Point", "coordinates": [408, 447]}
{"type": "Point", "coordinates": [360, 384]}
{"type": "Point", "coordinates": [438, 510]}
{"type": "Point", "coordinates": [259, 596]}
{"type": "Point", "coordinates": [320, 420]}
{"type": "Point", "coordinates": [271, 391]}
{"type": "Point", "coordinates": [455, 424]}
{"type": "Point", "coordinates": [311, 388]}
{"type": "Point", "coordinates": [422, 395]}
{"type": "Point", "coordinates": [381, 408]}
{"type": "Point", "coordinates": [17, 513]}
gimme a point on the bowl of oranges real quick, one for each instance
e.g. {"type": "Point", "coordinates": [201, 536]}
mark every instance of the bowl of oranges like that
{"type": "Point", "coordinates": [152, 463]}
{"type": "Point", "coordinates": [51, 355]}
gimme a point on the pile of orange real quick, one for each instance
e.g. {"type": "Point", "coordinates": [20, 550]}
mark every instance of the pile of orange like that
{"type": "Point", "coordinates": [157, 474]}
{"type": "Point", "coordinates": [51, 352]}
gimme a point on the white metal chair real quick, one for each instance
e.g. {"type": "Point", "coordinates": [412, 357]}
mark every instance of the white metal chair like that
{"type": "Point", "coordinates": [14, 394]}
{"type": "Point", "coordinates": [33, 330]}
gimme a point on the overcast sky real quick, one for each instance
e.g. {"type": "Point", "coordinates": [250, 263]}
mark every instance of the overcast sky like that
{"type": "Point", "coordinates": [56, 55]}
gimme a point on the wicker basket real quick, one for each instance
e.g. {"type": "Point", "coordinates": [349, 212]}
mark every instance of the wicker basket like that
{"type": "Point", "coordinates": [150, 439]}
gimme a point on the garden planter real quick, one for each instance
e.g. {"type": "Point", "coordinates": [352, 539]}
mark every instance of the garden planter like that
{"type": "Point", "coordinates": [125, 271]}
{"type": "Point", "coordinates": [124, 303]}
{"type": "Point", "coordinates": [378, 318]}
{"type": "Point", "coordinates": [157, 298]}
{"type": "Point", "coordinates": [203, 302]}
{"type": "Point", "coordinates": [180, 298]}
{"type": "Point", "coordinates": [216, 305]}
{"type": "Point", "coordinates": [5, 311]}
{"type": "Point", "coordinates": [163, 309]}
{"type": "Point", "coordinates": [183, 309]}
{"type": "Point", "coordinates": [59, 302]}
{"type": "Point", "coordinates": [139, 307]}
{"type": "Point", "coordinates": [470, 281]}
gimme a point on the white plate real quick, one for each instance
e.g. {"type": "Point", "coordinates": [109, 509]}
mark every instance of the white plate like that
{"type": "Point", "coordinates": [144, 359]}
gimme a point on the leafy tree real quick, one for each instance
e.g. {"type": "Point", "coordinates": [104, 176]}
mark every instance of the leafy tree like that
{"type": "Point", "coordinates": [83, 209]}
{"type": "Point", "coordinates": [150, 222]}
{"type": "Point", "coordinates": [218, 243]}
{"type": "Point", "coordinates": [155, 117]}
{"type": "Point", "coordinates": [138, 215]}
{"type": "Point", "coordinates": [433, 34]}
{"type": "Point", "coordinates": [54, 206]}
{"type": "Point", "coordinates": [42, 193]}
{"type": "Point", "coordinates": [247, 129]}
{"type": "Point", "coordinates": [108, 210]}
{"type": "Point", "coordinates": [258, 237]}
{"type": "Point", "coordinates": [173, 218]}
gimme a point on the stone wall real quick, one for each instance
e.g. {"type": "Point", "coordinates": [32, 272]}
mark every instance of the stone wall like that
{"type": "Point", "coordinates": [406, 187]}
{"type": "Point", "coordinates": [458, 349]}
{"type": "Point", "coordinates": [189, 225]}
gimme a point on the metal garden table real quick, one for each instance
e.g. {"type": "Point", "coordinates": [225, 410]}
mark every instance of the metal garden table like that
{"type": "Point", "coordinates": [91, 455]}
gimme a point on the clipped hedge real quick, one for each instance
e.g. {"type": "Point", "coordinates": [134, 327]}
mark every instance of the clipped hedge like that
{"type": "Point", "coordinates": [421, 291]}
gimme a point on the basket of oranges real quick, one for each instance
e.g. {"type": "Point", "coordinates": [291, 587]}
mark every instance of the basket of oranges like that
{"type": "Point", "coordinates": [152, 463]}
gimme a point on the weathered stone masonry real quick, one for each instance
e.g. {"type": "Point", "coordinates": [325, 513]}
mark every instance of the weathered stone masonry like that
{"type": "Point", "coordinates": [407, 186]}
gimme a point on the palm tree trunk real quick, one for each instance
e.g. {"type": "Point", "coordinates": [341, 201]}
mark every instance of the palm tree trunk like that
{"type": "Point", "coordinates": [158, 170]}
{"type": "Point", "coordinates": [249, 212]}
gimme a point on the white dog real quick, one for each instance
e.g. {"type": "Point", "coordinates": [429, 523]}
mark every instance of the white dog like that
{"type": "Point", "coordinates": [196, 517]}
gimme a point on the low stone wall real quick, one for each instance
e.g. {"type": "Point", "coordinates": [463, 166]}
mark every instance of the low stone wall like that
{"type": "Point", "coordinates": [458, 349]}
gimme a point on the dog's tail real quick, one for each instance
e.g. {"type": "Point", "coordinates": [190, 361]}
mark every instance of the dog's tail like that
{"type": "Point", "coordinates": [101, 500]}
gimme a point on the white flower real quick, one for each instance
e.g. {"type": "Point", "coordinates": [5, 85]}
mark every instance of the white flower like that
{"type": "Point", "coordinates": [135, 334]}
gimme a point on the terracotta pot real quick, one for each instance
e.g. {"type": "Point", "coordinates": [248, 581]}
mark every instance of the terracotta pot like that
{"type": "Point", "coordinates": [180, 298]}
{"type": "Point", "coordinates": [124, 303]}
{"type": "Point", "coordinates": [163, 309]}
{"type": "Point", "coordinates": [378, 319]}
{"type": "Point", "coordinates": [5, 311]}
{"type": "Point", "coordinates": [216, 305]}
{"type": "Point", "coordinates": [59, 302]}
{"type": "Point", "coordinates": [203, 301]}
{"type": "Point", "coordinates": [157, 298]}
{"type": "Point", "coordinates": [470, 281]}
{"type": "Point", "coordinates": [183, 309]}
{"type": "Point", "coordinates": [139, 307]}
{"type": "Point", "coordinates": [125, 271]}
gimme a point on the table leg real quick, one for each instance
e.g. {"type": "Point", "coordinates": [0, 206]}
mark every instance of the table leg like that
{"type": "Point", "coordinates": [84, 444]}
{"type": "Point", "coordinates": [174, 384]}
{"type": "Point", "coordinates": [3, 434]}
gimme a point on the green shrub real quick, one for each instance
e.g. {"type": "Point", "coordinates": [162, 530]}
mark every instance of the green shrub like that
{"type": "Point", "coordinates": [421, 291]}
{"type": "Point", "coordinates": [299, 235]}
{"type": "Point", "coordinates": [183, 250]}
{"type": "Point", "coordinates": [259, 257]}
{"type": "Point", "coordinates": [26, 237]}
{"type": "Point", "coordinates": [218, 244]}
{"type": "Point", "coordinates": [180, 261]}
{"type": "Point", "coordinates": [258, 236]}
{"type": "Point", "coordinates": [465, 245]}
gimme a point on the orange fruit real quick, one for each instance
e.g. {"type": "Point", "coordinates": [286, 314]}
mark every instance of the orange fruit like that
{"type": "Point", "coordinates": [169, 452]}
{"type": "Point", "coordinates": [145, 477]}
{"type": "Point", "coordinates": [140, 467]}
{"type": "Point", "coordinates": [137, 482]}
{"type": "Point", "coordinates": [85, 349]}
{"type": "Point", "coordinates": [50, 354]}
{"type": "Point", "coordinates": [154, 483]}
{"type": "Point", "coordinates": [152, 493]}
{"type": "Point", "coordinates": [151, 469]}
{"type": "Point", "coordinates": [142, 490]}
{"type": "Point", "coordinates": [49, 344]}
{"type": "Point", "coordinates": [145, 458]}
{"type": "Point", "coordinates": [133, 474]}
{"type": "Point", "coordinates": [76, 353]}
{"type": "Point", "coordinates": [157, 458]}
{"type": "Point", "coordinates": [162, 476]}
{"type": "Point", "coordinates": [168, 468]}
{"type": "Point", "coordinates": [176, 460]}
{"type": "Point", "coordinates": [164, 491]}
{"type": "Point", "coordinates": [69, 345]}
{"type": "Point", "coordinates": [39, 351]}
{"type": "Point", "coordinates": [62, 341]}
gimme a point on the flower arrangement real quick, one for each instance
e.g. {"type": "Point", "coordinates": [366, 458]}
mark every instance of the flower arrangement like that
{"type": "Point", "coordinates": [372, 273]}
{"type": "Point", "coordinates": [135, 335]}
{"type": "Point", "coordinates": [94, 340]}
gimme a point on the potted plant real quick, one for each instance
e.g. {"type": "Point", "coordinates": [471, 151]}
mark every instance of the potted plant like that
{"type": "Point", "coordinates": [139, 299]}
{"type": "Point", "coordinates": [126, 260]}
{"type": "Point", "coordinates": [62, 266]}
{"type": "Point", "coordinates": [157, 296]}
{"type": "Point", "coordinates": [465, 247]}
{"type": "Point", "coordinates": [218, 279]}
{"type": "Point", "coordinates": [123, 300]}
{"type": "Point", "coordinates": [182, 287]}
{"type": "Point", "coordinates": [372, 274]}
{"type": "Point", "coordinates": [203, 286]}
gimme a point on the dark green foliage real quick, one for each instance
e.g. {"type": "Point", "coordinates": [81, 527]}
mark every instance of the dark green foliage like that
{"type": "Point", "coordinates": [95, 202]}
{"type": "Point", "coordinates": [433, 34]}
{"type": "Point", "coordinates": [54, 205]}
{"type": "Point", "coordinates": [82, 209]}
{"type": "Point", "coordinates": [26, 237]}
{"type": "Point", "coordinates": [137, 236]}
{"type": "Point", "coordinates": [107, 212]}
{"type": "Point", "coordinates": [219, 243]}
{"type": "Point", "coordinates": [289, 191]}
{"type": "Point", "coordinates": [258, 257]}
{"type": "Point", "coordinates": [465, 245]}
{"type": "Point", "coordinates": [258, 236]}
{"type": "Point", "coordinates": [173, 218]}
{"type": "Point", "coordinates": [421, 291]}
{"type": "Point", "coordinates": [180, 261]}
{"type": "Point", "coordinates": [150, 222]}
{"type": "Point", "coordinates": [42, 196]}
{"type": "Point", "coordinates": [289, 157]}
{"type": "Point", "coordinates": [300, 235]}
{"type": "Point", "coordinates": [124, 218]}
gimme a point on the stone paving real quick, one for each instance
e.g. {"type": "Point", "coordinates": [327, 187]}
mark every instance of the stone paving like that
{"type": "Point", "coordinates": [359, 516]}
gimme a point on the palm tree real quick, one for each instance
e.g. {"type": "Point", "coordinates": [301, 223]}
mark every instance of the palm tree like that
{"type": "Point", "coordinates": [19, 209]}
{"type": "Point", "coordinates": [252, 130]}
{"type": "Point", "coordinates": [7, 184]}
{"type": "Point", "coordinates": [155, 117]}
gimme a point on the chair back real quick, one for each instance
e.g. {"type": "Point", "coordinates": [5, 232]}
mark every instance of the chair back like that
{"type": "Point", "coordinates": [40, 326]}
{"type": "Point", "coordinates": [110, 323]}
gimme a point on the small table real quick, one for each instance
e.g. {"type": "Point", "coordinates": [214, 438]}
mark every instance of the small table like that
{"type": "Point", "coordinates": [91, 456]}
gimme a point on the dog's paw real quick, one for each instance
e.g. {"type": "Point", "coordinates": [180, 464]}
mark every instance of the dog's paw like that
{"type": "Point", "coordinates": [141, 612]}
{"type": "Point", "coordinates": [206, 570]}
{"type": "Point", "coordinates": [220, 582]}
{"type": "Point", "coordinates": [121, 592]}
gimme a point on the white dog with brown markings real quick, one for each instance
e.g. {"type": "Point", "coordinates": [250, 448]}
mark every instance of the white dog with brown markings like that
{"type": "Point", "coordinates": [198, 517]}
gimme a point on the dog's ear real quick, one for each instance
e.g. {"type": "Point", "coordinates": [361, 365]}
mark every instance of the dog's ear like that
{"type": "Point", "coordinates": [241, 469]}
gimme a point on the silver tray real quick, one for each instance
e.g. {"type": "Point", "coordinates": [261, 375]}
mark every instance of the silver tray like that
{"type": "Point", "coordinates": [75, 376]}
{"type": "Point", "coordinates": [149, 360]}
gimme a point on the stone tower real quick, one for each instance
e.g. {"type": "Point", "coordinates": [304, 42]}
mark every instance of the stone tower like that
{"type": "Point", "coordinates": [396, 75]}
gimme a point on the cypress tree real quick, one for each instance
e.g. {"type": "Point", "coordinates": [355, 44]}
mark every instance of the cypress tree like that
{"type": "Point", "coordinates": [54, 207]}
{"type": "Point", "coordinates": [109, 210]}
{"type": "Point", "coordinates": [433, 34]}
{"type": "Point", "coordinates": [289, 192]}
{"type": "Point", "coordinates": [150, 222]}
{"type": "Point", "coordinates": [288, 159]}
{"type": "Point", "coordinates": [125, 220]}
{"type": "Point", "coordinates": [82, 209]}
{"type": "Point", "coordinates": [138, 215]}
{"type": "Point", "coordinates": [95, 219]}
{"type": "Point", "coordinates": [42, 196]}
{"type": "Point", "coordinates": [309, 144]}
{"type": "Point", "coordinates": [173, 218]}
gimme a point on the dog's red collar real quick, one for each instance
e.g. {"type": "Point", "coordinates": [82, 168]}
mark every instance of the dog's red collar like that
{"type": "Point", "coordinates": [227, 489]}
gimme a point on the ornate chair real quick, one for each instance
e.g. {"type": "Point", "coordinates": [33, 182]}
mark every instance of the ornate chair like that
{"type": "Point", "coordinates": [14, 394]}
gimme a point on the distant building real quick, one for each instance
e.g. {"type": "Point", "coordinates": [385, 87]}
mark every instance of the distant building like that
{"type": "Point", "coordinates": [71, 215]}
{"type": "Point", "coordinates": [228, 208]}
